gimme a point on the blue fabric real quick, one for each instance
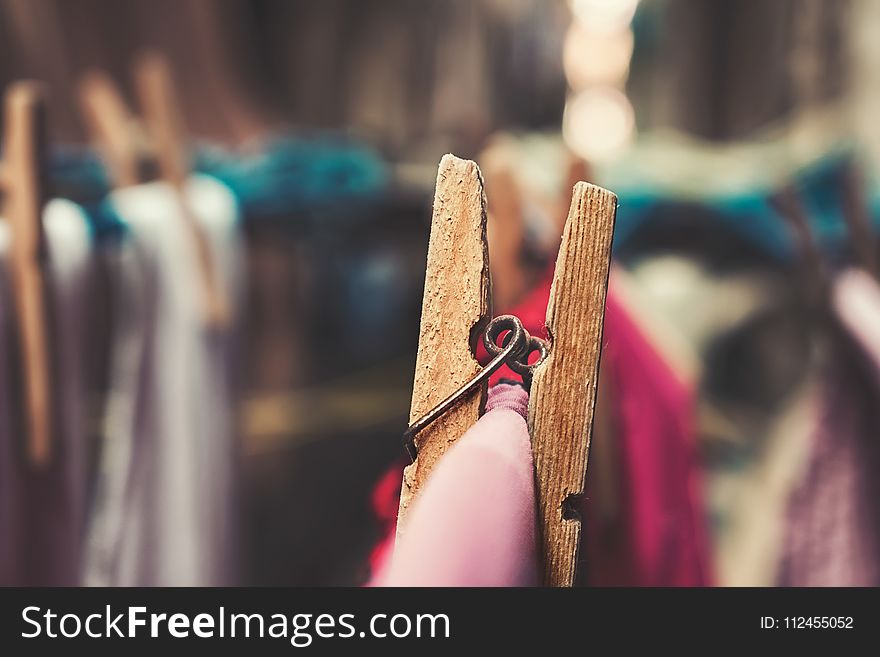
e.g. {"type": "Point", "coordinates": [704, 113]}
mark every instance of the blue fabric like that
{"type": "Point", "coordinates": [301, 176]}
{"type": "Point", "coordinates": [78, 174]}
{"type": "Point", "coordinates": [322, 179]}
{"type": "Point", "coordinates": [751, 216]}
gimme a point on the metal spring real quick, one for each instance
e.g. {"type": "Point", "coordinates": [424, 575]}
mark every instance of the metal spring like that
{"type": "Point", "coordinates": [514, 352]}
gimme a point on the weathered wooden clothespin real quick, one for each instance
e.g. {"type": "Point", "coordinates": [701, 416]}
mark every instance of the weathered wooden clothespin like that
{"type": "Point", "coordinates": [563, 394]}
{"type": "Point", "coordinates": [455, 311]}
{"type": "Point", "coordinates": [137, 151]}
{"type": "Point", "coordinates": [455, 308]}
{"type": "Point", "coordinates": [24, 174]}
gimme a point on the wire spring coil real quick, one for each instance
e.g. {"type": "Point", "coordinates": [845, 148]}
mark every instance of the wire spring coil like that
{"type": "Point", "coordinates": [517, 346]}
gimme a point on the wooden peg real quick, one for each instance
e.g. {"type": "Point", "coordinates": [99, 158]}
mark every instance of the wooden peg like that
{"type": "Point", "coordinates": [455, 309]}
{"type": "Point", "coordinates": [506, 232]}
{"type": "Point", "coordinates": [563, 393]}
{"type": "Point", "coordinates": [24, 181]}
{"type": "Point", "coordinates": [858, 219]}
{"type": "Point", "coordinates": [155, 91]}
{"type": "Point", "coordinates": [119, 134]}
{"type": "Point", "coordinates": [165, 125]}
{"type": "Point", "coordinates": [789, 204]}
{"type": "Point", "coordinates": [138, 151]}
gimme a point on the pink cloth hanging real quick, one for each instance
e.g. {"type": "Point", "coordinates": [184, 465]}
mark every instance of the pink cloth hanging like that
{"type": "Point", "coordinates": [657, 536]}
{"type": "Point", "coordinates": [474, 522]}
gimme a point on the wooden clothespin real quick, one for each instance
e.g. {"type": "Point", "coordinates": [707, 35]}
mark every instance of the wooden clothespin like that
{"type": "Point", "coordinates": [122, 139]}
{"type": "Point", "coordinates": [858, 219]}
{"type": "Point", "coordinates": [790, 205]}
{"type": "Point", "coordinates": [506, 235]}
{"type": "Point", "coordinates": [455, 311]}
{"type": "Point", "coordinates": [165, 126]}
{"type": "Point", "coordinates": [24, 173]}
{"type": "Point", "coordinates": [138, 151]}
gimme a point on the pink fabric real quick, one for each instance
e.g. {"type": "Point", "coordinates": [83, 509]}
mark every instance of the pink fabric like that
{"type": "Point", "coordinates": [385, 501]}
{"type": "Point", "coordinates": [474, 522]}
{"type": "Point", "coordinates": [657, 536]}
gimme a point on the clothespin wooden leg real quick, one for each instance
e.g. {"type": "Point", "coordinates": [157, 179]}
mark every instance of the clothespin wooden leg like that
{"type": "Point", "coordinates": [857, 215]}
{"type": "Point", "coordinates": [455, 309]}
{"type": "Point", "coordinates": [24, 170]}
{"type": "Point", "coordinates": [563, 389]}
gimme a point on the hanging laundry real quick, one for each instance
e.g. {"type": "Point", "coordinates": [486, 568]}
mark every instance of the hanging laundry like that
{"type": "Point", "coordinates": [833, 524]}
{"type": "Point", "coordinates": [165, 501]}
{"type": "Point", "coordinates": [474, 523]}
{"type": "Point", "coordinates": [42, 508]}
{"type": "Point", "coordinates": [289, 175]}
{"type": "Point", "coordinates": [658, 535]}
{"type": "Point", "coordinates": [655, 534]}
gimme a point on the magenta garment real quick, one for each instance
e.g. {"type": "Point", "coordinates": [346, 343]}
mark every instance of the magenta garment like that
{"type": "Point", "coordinates": [473, 524]}
{"type": "Point", "coordinates": [658, 534]}
{"type": "Point", "coordinates": [832, 533]}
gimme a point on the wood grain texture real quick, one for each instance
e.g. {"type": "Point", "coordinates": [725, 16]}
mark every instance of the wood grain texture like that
{"type": "Point", "coordinates": [24, 171]}
{"type": "Point", "coordinates": [563, 390]}
{"type": "Point", "coordinates": [455, 305]}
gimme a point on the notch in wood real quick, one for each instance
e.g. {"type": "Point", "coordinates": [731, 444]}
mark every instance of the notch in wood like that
{"type": "Point", "coordinates": [563, 394]}
{"type": "Point", "coordinates": [455, 309]}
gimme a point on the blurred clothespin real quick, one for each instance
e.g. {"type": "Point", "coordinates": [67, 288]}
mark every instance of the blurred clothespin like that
{"type": "Point", "coordinates": [456, 309]}
{"type": "Point", "coordinates": [857, 215]}
{"type": "Point", "coordinates": [789, 204]}
{"type": "Point", "coordinates": [121, 137]}
{"type": "Point", "coordinates": [23, 177]}
{"type": "Point", "coordinates": [506, 235]}
{"type": "Point", "coordinates": [137, 151]}
{"type": "Point", "coordinates": [577, 169]}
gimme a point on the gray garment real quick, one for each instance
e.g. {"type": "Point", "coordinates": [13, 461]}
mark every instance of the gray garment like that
{"type": "Point", "coordinates": [41, 510]}
{"type": "Point", "coordinates": [165, 504]}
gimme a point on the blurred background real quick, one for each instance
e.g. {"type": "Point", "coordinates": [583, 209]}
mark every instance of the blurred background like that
{"type": "Point", "coordinates": [735, 441]}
